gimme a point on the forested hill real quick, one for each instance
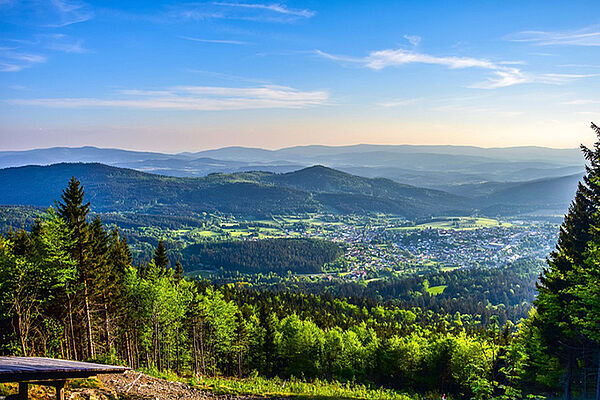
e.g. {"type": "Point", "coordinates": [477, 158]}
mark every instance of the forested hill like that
{"type": "Point", "coordinates": [252, 193]}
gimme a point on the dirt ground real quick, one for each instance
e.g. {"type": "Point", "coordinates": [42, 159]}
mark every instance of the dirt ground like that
{"type": "Point", "coordinates": [137, 386]}
{"type": "Point", "coordinates": [131, 385]}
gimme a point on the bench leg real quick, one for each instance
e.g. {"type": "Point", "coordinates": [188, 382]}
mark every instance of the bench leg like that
{"type": "Point", "coordinates": [23, 387]}
{"type": "Point", "coordinates": [60, 390]}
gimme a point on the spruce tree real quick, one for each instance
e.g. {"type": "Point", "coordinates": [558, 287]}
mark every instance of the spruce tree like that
{"type": "Point", "coordinates": [561, 336]}
{"type": "Point", "coordinates": [74, 212]}
{"type": "Point", "coordinates": [178, 271]}
{"type": "Point", "coordinates": [160, 257]}
{"type": "Point", "coordinates": [72, 209]}
{"type": "Point", "coordinates": [584, 310]}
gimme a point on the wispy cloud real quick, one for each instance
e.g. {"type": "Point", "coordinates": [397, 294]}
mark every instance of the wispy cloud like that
{"type": "Point", "coordinates": [277, 8]}
{"type": "Point", "coordinates": [194, 98]}
{"type": "Point", "coordinates": [70, 12]}
{"type": "Point", "coordinates": [503, 73]}
{"type": "Point", "coordinates": [11, 61]}
{"type": "Point", "coordinates": [413, 39]}
{"type": "Point", "coordinates": [471, 109]}
{"type": "Point", "coordinates": [216, 41]}
{"type": "Point", "coordinates": [399, 102]}
{"type": "Point", "coordinates": [559, 79]}
{"type": "Point", "coordinates": [579, 102]}
{"type": "Point", "coordinates": [46, 13]}
{"type": "Point", "coordinates": [589, 36]}
{"type": "Point", "coordinates": [25, 53]}
{"type": "Point", "coordinates": [62, 42]}
{"type": "Point", "coordinates": [239, 11]}
{"type": "Point", "coordinates": [230, 77]}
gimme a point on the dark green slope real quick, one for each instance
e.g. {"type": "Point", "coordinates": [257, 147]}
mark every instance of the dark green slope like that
{"type": "Point", "coordinates": [251, 193]}
{"type": "Point", "coordinates": [322, 179]}
{"type": "Point", "coordinates": [551, 193]}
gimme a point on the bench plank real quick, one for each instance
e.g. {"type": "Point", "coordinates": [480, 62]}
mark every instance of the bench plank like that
{"type": "Point", "coordinates": [23, 369]}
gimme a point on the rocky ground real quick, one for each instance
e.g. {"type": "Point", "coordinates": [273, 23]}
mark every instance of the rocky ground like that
{"type": "Point", "coordinates": [131, 385]}
{"type": "Point", "coordinates": [137, 386]}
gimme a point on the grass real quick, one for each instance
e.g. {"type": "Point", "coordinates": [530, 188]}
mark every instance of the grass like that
{"type": "Point", "coordinates": [457, 223]}
{"type": "Point", "coordinates": [435, 290]}
{"type": "Point", "coordinates": [297, 389]}
{"type": "Point", "coordinates": [292, 388]}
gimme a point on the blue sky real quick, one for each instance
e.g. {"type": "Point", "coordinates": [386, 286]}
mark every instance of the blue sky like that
{"type": "Point", "coordinates": [184, 76]}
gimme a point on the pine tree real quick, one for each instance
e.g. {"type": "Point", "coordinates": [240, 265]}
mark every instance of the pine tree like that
{"type": "Point", "coordinates": [562, 338]}
{"type": "Point", "coordinates": [160, 257]}
{"type": "Point", "coordinates": [72, 209]}
{"type": "Point", "coordinates": [178, 271]}
{"type": "Point", "coordinates": [74, 212]}
{"type": "Point", "coordinates": [584, 310]}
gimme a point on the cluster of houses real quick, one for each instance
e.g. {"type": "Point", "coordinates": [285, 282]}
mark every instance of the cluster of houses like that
{"type": "Point", "coordinates": [371, 248]}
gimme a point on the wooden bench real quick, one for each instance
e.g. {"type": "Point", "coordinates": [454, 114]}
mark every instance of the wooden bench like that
{"type": "Point", "coordinates": [49, 372]}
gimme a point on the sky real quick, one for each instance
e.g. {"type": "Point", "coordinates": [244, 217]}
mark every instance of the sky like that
{"type": "Point", "coordinates": [188, 76]}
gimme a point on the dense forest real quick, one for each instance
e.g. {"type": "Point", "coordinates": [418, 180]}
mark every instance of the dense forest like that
{"type": "Point", "coordinates": [277, 255]}
{"type": "Point", "coordinates": [257, 194]}
{"type": "Point", "coordinates": [69, 289]}
{"type": "Point", "coordinates": [506, 293]}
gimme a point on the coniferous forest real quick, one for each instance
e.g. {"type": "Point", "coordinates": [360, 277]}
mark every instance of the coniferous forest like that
{"type": "Point", "coordinates": [69, 288]}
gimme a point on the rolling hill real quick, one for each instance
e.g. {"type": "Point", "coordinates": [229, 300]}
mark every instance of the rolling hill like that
{"type": "Point", "coordinates": [251, 193]}
{"type": "Point", "coordinates": [435, 167]}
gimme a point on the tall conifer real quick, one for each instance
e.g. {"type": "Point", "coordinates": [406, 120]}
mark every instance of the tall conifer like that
{"type": "Point", "coordinates": [160, 256]}
{"type": "Point", "coordinates": [74, 212]}
{"type": "Point", "coordinates": [562, 337]}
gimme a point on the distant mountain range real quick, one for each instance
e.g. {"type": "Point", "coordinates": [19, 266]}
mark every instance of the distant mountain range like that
{"type": "Point", "coordinates": [313, 189]}
{"type": "Point", "coordinates": [450, 168]}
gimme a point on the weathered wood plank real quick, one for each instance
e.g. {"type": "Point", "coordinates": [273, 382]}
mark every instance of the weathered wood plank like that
{"type": "Point", "coordinates": [22, 369]}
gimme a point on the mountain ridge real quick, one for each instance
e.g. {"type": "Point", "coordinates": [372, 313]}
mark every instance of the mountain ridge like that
{"type": "Point", "coordinates": [312, 189]}
{"type": "Point", "coordinates": [253, 193]}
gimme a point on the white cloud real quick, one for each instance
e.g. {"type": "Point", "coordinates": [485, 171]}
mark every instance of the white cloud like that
{"type": "Point", "coordinates": [277, 8]}
{"type": "Point", "coordinates": [69, 12]}
{"type": "Point", "coordinates": [25, 52]}
{"type": "Point", "coordinates": [502, 78]}
{"type": "Point", "coordinates": [503, 73]}
{"type": "Point", "coordinates": [559, 79]}
{"type": "Point", "coordinates": [11, 61]}
{"type": "Point", "coordinates": [589, 36]}
{"type": "Point", "coordinates": [61, 42]}
{"type": "Point", "coordinates": [216, 41]}
{"type": "Point", "coordinates": [377, 60]}
{"type": "Point", "coordinates": [46, 13]}
{"type": "Point", "coordinates": [196, 98]}
{"type": "Point", "coordinates": [413, 39]}
{"type": "Point", "coordinates": [581, 102]}
{"type": "Point", "coordinates": [259, 12]}
{"type": "Point", "coordinates": [399, 102]}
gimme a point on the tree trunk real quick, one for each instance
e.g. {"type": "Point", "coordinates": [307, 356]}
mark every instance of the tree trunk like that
{"type": "Point", "coordinates": [195, 346]}
{"type": "Point", "coordinates": [568, 378]}
{"type": "Point", "coordinates": [72, 329]}
{"type": "Point", "coordinates": [88, 321]}
{"type": "Point", "coordinates": [240, 363]}
{"type": "Point", "coordinates": [202, 348]}
{"type": "Point", "coordinates": [107, 325]}
{"type": "Point", "coordinates": [21, 335]}
{"type": "Point", "coordinates": [598, 379]}
{"type": "Point", "coordinates": [177, 350]}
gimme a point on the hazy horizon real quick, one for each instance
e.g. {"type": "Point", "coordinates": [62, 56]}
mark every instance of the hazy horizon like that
{"type": "Point", "coordinates": [280, 148]}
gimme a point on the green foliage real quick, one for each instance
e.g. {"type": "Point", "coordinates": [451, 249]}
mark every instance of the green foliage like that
{"type": "Point", "coordinates": [258, 194]}
{"type": "Point", "coordinates": [68, 288]}
{"type": "Point", "coordinates": [277, 255]}
{"type": "Point", "coordinates": [563, 334]}
{"type": "Point", "coordinates": [295, 388]}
